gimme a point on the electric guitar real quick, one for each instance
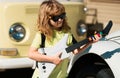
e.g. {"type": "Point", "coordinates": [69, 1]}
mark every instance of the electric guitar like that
{"type": "Point", "coordinates": [46, 68]}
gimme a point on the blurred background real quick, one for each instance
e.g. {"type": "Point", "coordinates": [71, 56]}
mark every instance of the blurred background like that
{"type": "Point", "coordinates": [84, 17]}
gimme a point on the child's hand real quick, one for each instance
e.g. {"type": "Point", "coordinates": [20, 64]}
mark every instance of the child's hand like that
{"type": "Point", "coordinates": [56, 58]}
{"type": "Point", "coordinates": [93, 39]}
{"type": "Point", "coordinates": [96, 37]}
{"type": "Point", "coordinates": [76, 51]}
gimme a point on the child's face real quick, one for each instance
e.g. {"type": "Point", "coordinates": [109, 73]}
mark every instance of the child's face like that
{"type": "Point", "coordinates": [57, 24]}
{"type": "Point", "coordinates": [57, 21]}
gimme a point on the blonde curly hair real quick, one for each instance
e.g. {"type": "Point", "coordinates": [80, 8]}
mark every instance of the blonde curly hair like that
{"type": "Point", "coordinates": [50, 8]}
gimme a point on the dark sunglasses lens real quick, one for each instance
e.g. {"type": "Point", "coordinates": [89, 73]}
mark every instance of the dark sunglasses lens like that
{"type": "Point", "coordinates": [62, 16]}
{"type": "Point", "coordinates": [56, 18]}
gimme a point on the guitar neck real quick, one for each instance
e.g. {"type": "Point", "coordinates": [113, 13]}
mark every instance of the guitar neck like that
{"type": "Point", "coordinates": [104, 32]}
{"type": "Point", "coordinates": [77, 45]}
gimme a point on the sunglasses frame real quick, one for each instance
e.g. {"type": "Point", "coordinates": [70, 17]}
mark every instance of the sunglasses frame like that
{"type": "Point", "coordinates": [57, 17]}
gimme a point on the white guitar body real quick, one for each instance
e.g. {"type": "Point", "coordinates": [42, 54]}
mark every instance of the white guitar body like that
{"type": "Point", "coordinates": [46, 68]}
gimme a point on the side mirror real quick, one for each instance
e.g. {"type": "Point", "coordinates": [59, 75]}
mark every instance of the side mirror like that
{"type": "Point", "coordinates": [81, 28]}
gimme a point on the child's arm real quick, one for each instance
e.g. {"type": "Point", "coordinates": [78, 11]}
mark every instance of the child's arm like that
{"type": "Point", "coordinates": [35, 55]}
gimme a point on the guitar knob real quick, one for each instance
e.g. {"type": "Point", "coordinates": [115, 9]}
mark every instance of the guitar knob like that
{"type": "Point", "coordinates": [44, 67]}
{"type": "Point", "coordinates": [43, 63]}
{"type": "Point", "coordinates": [44, 71]}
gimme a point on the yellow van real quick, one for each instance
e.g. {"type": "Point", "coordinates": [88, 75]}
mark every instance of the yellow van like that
{"type": "Point", "coordinates": [17, 23]}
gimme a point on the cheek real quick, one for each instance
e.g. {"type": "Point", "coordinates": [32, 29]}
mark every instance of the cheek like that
{"type": "Point", "coordinates": [52, 23]}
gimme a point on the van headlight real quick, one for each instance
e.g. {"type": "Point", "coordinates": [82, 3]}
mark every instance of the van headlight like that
{"type": "Point", "coordinates": [17, 32]}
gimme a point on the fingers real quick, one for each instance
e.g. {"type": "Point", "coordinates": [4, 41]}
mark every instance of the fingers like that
{"type": "Point", "coordinates": [96, 37]}
{"type": "Point", "coordinates": [75, 51]}
{"type": "Point", "coordinates": [59, 54]}
{"type": "Point", "coordinates": [56, 58]}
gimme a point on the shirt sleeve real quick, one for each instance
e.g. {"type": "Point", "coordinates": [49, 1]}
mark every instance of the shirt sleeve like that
{"type": "Point", "coordinates": [36, 41]}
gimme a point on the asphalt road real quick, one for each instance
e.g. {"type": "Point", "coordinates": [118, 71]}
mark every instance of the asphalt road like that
{"type": "Point", "coordinates": [17, 73]}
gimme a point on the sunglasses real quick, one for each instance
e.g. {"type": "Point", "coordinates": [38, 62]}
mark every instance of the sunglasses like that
{"type": "Point", "coordinates": [56, 18]}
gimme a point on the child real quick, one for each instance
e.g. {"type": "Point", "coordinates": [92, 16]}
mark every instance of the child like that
{"type": "Point", "coordinates": [52, 23]}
